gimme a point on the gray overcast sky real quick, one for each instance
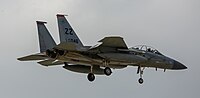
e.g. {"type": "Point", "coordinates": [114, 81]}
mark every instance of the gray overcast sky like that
{"type": "Point", "coordinates": [171, 26]}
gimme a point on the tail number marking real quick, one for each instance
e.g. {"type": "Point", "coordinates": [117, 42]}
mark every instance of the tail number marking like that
{"type": "Point", "coordinates": [72, 40]}
{"type": "Point", "coordinates": [68, 31]}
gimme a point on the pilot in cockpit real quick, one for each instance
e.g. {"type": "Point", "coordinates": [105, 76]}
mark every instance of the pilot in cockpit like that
{"type": "Point", "coordinates": [149, 50]}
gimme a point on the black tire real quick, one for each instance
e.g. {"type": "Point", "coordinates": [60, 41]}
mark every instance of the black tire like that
{"type": "Point", "coordinates": [107, 71]}
{"type": "Point", "coordinates": [91, 77]}
{"type": "Point", "coordinates": [140, 80]}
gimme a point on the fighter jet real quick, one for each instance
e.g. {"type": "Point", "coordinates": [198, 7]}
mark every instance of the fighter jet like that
{"type": "Point", "coordinates": [111, 53]}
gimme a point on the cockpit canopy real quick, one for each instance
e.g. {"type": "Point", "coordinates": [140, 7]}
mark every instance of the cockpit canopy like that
{"type": "Point", "coordinates": [146, 48]}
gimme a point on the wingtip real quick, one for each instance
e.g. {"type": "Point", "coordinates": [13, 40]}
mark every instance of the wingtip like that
{"type": "Point", "coordinates": [20, 59]}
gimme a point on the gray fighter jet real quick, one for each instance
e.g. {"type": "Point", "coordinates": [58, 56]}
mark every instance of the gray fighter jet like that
{"type": "Point", "coordinates": [111, 52]}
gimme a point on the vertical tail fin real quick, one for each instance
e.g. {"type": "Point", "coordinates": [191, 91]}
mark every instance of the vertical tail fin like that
{"type": "Point", "coordinates": [66, 32]}
{"type": "Point", "coordinates": [45, 39]}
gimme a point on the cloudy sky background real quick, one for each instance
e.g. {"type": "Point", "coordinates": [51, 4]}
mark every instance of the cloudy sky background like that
{"type": "Point", "coordinates": [171, 26]}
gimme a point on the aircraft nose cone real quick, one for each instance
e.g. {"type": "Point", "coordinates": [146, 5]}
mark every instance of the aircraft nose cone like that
{"type": "Point", "coordinates": [177, 65]}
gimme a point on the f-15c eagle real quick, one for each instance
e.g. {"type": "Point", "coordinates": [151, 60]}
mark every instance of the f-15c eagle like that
{"type": "Point", "coordinates": [111, 53]}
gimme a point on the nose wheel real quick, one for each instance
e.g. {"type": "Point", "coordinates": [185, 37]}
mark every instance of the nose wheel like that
{"type": "Point", "coordinates": [140, 80]}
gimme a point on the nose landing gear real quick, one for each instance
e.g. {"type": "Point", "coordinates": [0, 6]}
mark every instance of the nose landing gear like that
{"type": "Point", "coordinates": [140, 71]}
{"type": "Point", "coordinates": [140, 80]}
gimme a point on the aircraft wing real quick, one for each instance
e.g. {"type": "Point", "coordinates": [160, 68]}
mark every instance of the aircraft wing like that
{"type": "Point", "coordinates": [37, 56]}
{"type": "Point", "coordinates": [115, 42]}
{"type": "Point", "coordinates": [109, 44]}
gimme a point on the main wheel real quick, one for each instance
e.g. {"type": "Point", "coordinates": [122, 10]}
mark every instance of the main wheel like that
{"type": "Point", "coordinates": [140, 80]}
{"type": "Point", "coordinates": [107, 71]}
{"type": "Point", "coordinates": [91, 77]}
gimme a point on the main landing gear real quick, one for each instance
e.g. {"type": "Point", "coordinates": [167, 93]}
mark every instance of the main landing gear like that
{"type": "Point", "coordinates": [107, 71]}
{"type": "Point", "coordinates": [91, 76]}
{"type": "Point", "coordinates": [140, 71]}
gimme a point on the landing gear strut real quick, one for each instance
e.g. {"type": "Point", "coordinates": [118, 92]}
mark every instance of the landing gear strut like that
{"type": "Point", "coordinates": [107, 70]}
{"type": "Point", "coordinates": [140, 71]}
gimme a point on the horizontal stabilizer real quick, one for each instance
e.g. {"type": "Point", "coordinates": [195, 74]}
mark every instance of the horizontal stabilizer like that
{"type": "Point", "coordinates": [38, 56]}
{"type": "Point", "coordinates": [114, 42]}
{"type": "Point", "coordinates": [50, 62]}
